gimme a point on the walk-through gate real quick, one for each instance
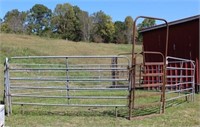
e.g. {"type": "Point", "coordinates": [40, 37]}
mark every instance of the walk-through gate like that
{"type": "Point", "coordinates": [147, 101]}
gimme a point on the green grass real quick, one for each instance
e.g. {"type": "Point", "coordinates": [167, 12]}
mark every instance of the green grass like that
{"type": "Point", "coordinates": [178, 113]}
{"type": "Point", "coordinates": [182, 115]}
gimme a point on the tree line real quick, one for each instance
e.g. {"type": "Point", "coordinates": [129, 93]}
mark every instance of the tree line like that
{"type": "Point", "coordinates": [71, 23]}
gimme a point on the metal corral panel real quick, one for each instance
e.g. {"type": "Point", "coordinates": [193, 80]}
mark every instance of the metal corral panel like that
{"type": "Point", "coordinates": [2, 116]}
{"type": "Point", "coordinates": [183, 41]}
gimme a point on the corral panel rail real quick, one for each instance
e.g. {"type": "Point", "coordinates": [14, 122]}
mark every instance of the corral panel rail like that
{"type": "Point", "coordinates": [180, 78]}
{"type": "Point", "coordinates": [72, 81]}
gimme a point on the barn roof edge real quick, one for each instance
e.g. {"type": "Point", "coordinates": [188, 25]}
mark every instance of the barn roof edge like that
{"type": "Point", "coordinates": [171, 23]}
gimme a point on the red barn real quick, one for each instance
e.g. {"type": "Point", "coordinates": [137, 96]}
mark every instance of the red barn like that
{"type": "Point", "coordinates": [184, 41]}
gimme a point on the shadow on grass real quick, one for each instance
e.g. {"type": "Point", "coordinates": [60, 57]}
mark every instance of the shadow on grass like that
{"type": "Point", "coordinates": [175, 103]}
{"type": "Point", "coordinates": [46, 111]}
{"type": "Point", "coordinates": [90, 112]}
{"type": "Point", "coordinates": [136, 112]}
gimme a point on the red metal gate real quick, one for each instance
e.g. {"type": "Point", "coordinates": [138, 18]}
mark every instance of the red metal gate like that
{"type": "Point", "coordinates": [146, 76]}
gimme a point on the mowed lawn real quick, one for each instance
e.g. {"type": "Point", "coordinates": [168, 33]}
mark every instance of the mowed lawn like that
{"type": "Point", "coordinates": [179, 115]}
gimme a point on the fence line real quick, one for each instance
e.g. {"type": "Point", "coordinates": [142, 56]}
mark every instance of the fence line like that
{"type": "Point", "coordinates": [73, 81]}
{"type": "Point", "coordinates": [89, 78]}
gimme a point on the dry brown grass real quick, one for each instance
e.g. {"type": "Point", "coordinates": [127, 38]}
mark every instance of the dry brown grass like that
{"type": "Point", "coordinates": [47, 46]}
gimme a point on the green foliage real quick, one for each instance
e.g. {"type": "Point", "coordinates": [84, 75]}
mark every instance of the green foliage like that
{"type": "Point", "coordinates": [38, 19]}
{"type": "Point", "coordinates": [103, 27]}
{"type": "Point", "coordinates": [5, 28]}
{"type": "Point", "coordinates": [84, 24]}
{"type": "Point", "coordinates": [70, 23]}
{"type": "Point", "coordinates": [77, 23]}
{"type": "Point", "coordinates": [145, 24]}
{"type": "Point", "coordinates": [14, 21]}
{"type": "Point", "coordinates": [129, 29]}
{"type": "Point", "coordinates": [64, 21]}
{"type": "Point", "coordinates": [119, 35]}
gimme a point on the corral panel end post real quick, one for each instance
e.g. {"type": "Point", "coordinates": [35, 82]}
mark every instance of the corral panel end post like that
{"type": "Point", "coordinates": [7, 87]}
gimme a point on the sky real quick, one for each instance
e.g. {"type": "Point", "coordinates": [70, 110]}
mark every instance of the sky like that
{"type": "Point", "coordinates": [170, 10]}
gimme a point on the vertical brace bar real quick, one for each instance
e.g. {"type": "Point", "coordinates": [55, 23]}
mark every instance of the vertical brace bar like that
{"type": "Point", "coordinates": [181, 78]}
{"type": "Point", "coordinates": [140, 74]}
{"type": "Point", "coordinates": [116, 112]}
{"type": "Point", "coordinates": [163, 87]}
{"type": "Point", "coordinates": [148, 77]}
{"type": "Point", "coordinates": [193, 84]}
{"type": "Point", "coordinates": [157, 78]}
{"type": "Point", "coordinates": [186, 73]}
{"type": "Point", "coordinates": [114, 71]}
{"type": "Point", "coordinates": [67, 79]}
{"type": "Point", "coordinates": [176, 74]}
{"type": "Point", "coordinates": [99, 74]}
{"type": "Point", "coordinates": [171, 79]}
{"type": "Point", "coordinates": [22, 109]}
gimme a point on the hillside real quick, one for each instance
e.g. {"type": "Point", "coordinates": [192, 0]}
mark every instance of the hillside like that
{"type": "Point", "coordinates": [24, 45]}
{"type": "Point", "coordinates": [18, 45]}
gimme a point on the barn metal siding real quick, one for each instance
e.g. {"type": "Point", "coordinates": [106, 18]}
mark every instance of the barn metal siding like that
{"type": "Point", "coordinates": [183, 42]}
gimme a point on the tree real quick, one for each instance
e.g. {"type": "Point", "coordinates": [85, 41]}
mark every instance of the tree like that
{"type": "Point", "coordinates": [77, 23]}
{"type": "Point", "coordinates": [64, 21]}
{"type": "Point", "coordinates": [38, 19]}
{"type": "Point", "coordinates": [119, 35]}
{"type": "Point", "coordinates": [145, 24]}
{"type": "Point", "coordinates": [87, 26]}
{"type": "Point", "coordinates": [15, 20]}
{"type": "Point", "coordinates": [129, 29]}
{"type": "Point", "coordinates": [103, 27]}
{"type": "Point", "coordinates": [5, 28]}
{"type": "Point", "coordinates": [83, 21]}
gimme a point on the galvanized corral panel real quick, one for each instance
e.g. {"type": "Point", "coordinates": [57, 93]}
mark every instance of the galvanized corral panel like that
{"type": "Point", "coordinates": [2, 116]}
{"type": "Point", "coordinates": [183, 41]}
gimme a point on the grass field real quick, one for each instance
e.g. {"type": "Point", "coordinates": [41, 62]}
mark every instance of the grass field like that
{"type": "Point", "coordinates": [179, 115]}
